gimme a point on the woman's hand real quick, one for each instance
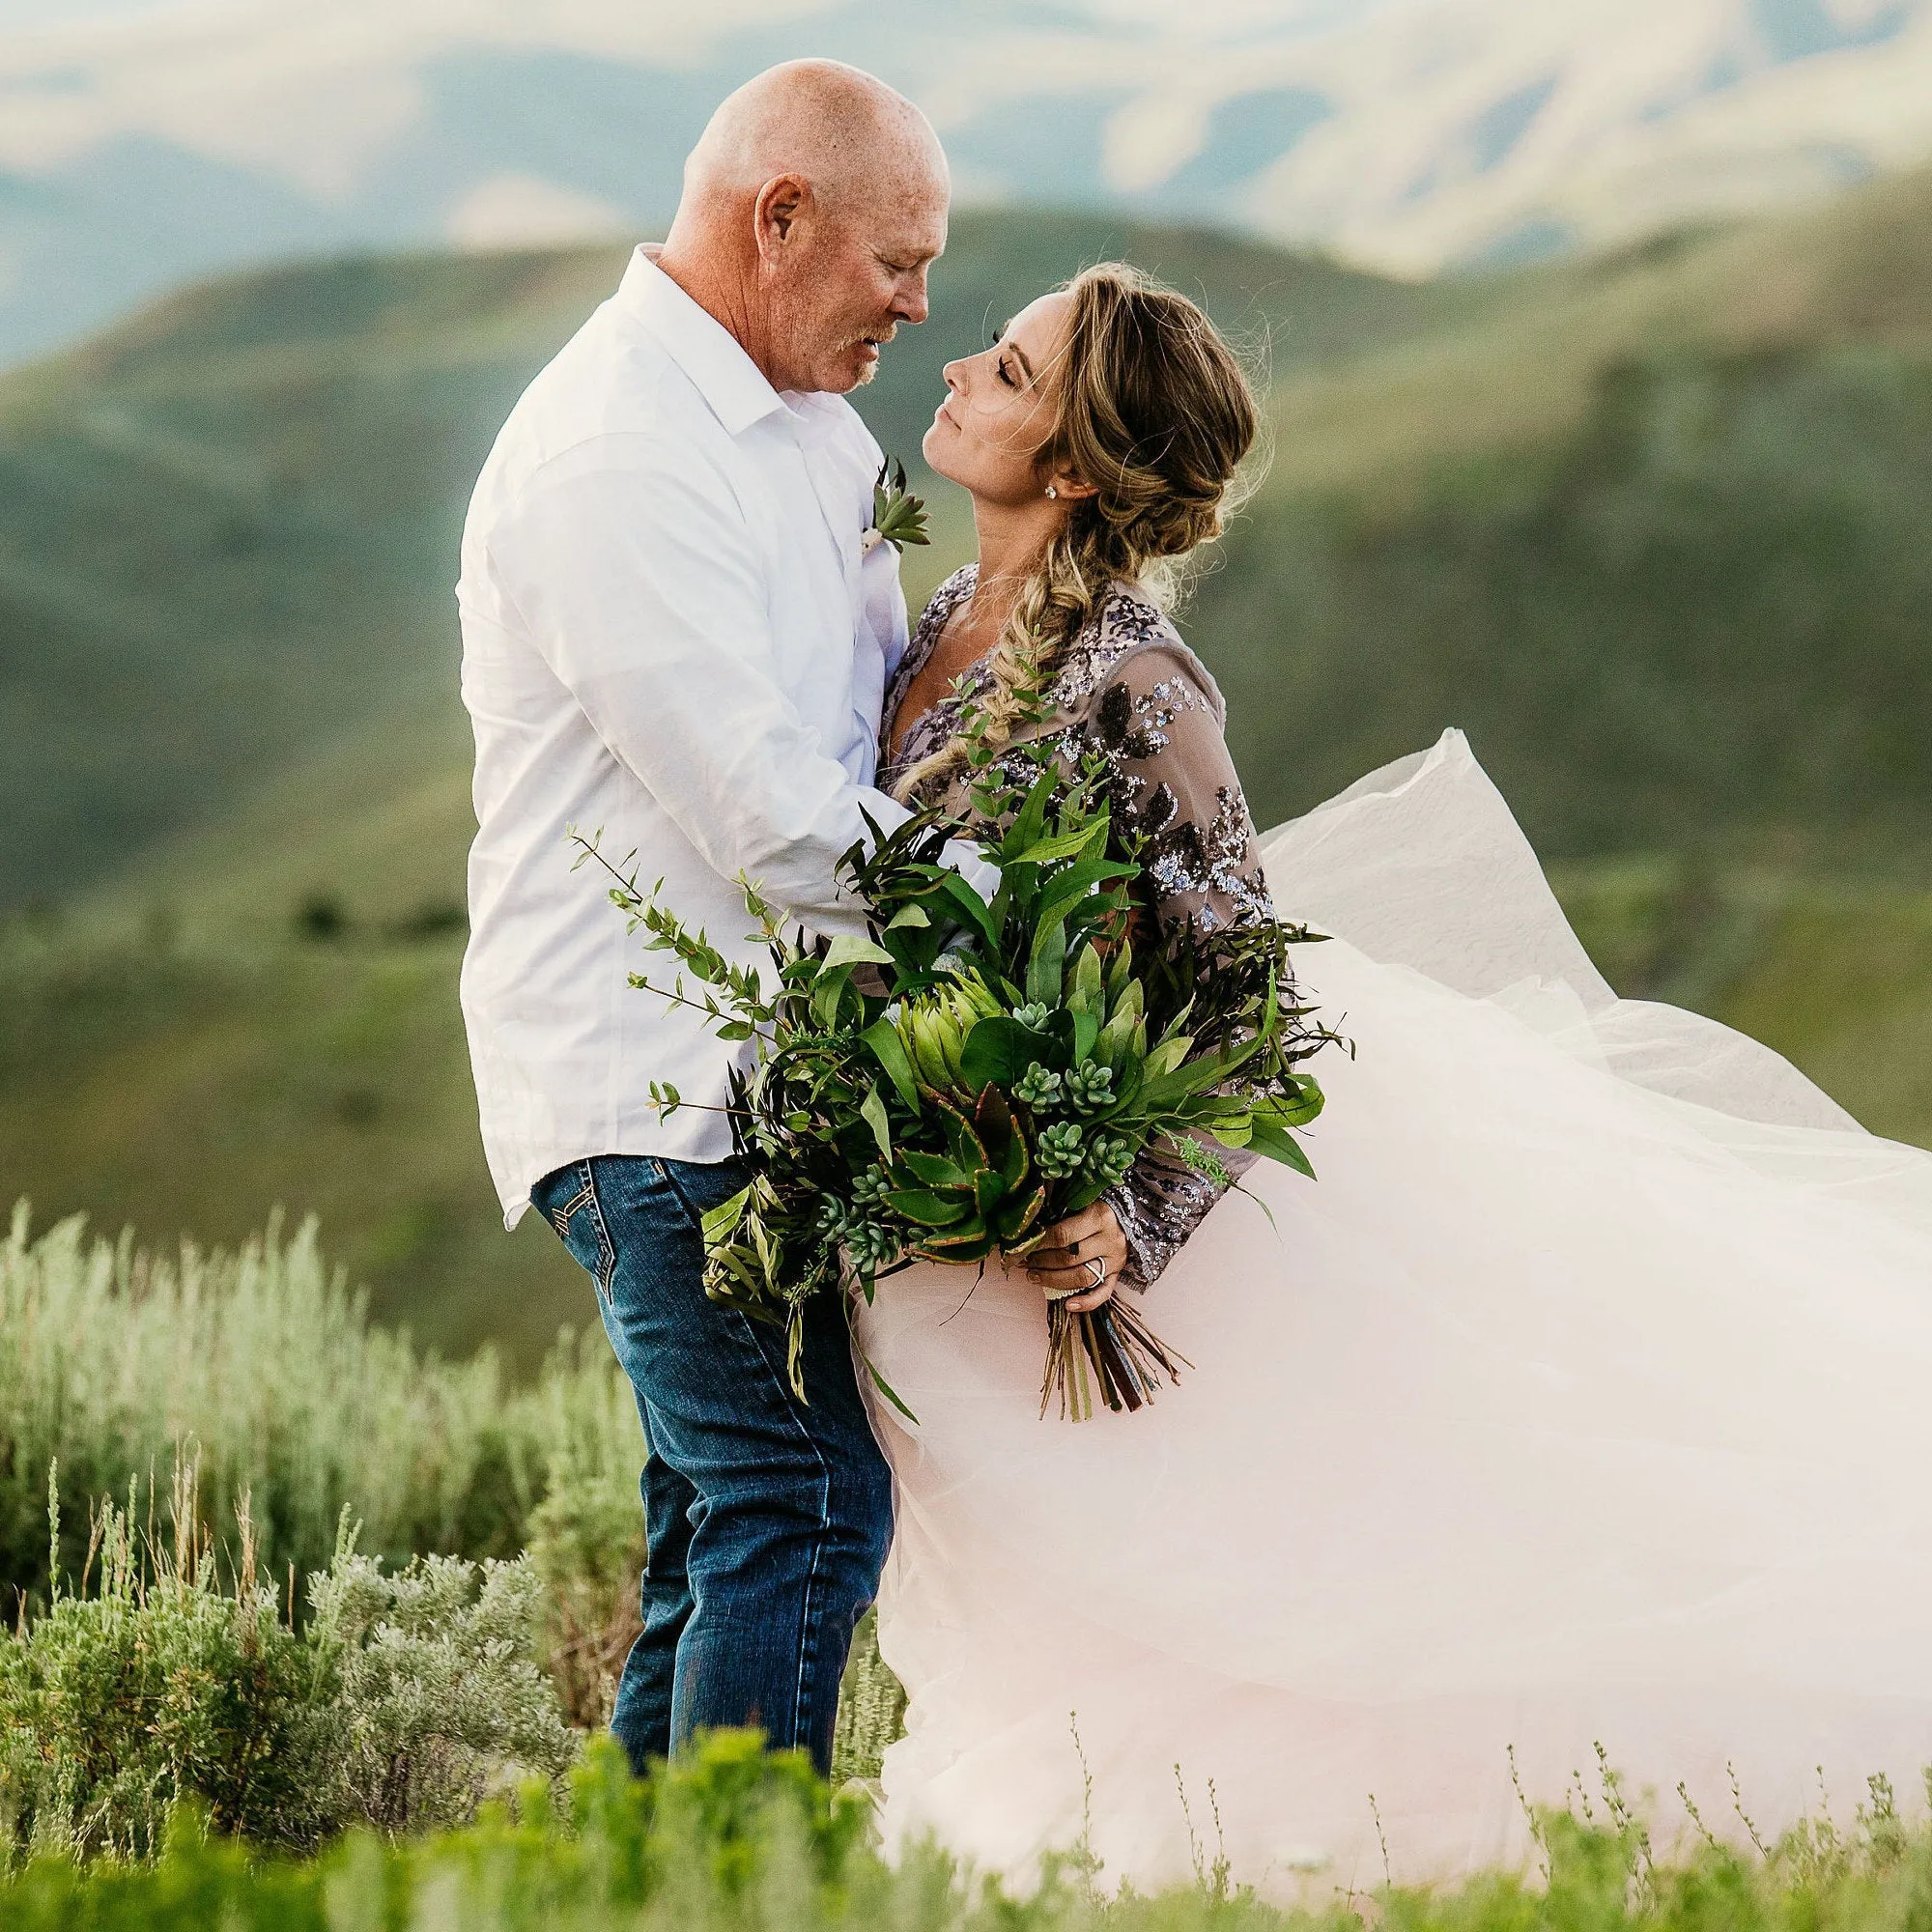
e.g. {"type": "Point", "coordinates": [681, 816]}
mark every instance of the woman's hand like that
{"type": "Point", "coordinates": [1085, 1251]}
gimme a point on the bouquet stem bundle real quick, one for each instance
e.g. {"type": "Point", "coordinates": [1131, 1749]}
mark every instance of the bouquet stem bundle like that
{"type": "Point", "coordinates": [1127, 1359]}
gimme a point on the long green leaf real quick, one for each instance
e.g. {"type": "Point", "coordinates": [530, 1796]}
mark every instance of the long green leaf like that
{"type": "Point", "coordinates": [1047, 966]}
{"type": "Point", "coordinates": [889, 1050]}
{"type": "Point", "coordinates": [967, 1234]}
{"type": "Point", "coordinates": [932, 1169]}
{"type": "Point", "coordinates": [1062, 846]}
{"type": "Point", "coordinates": [720, 1223]}
{"type": "Point", "coordinates": [971, 908]}
{"type": "Point", "coordinates": [1279, 1145]}
{"type": "Point", "coordinates": [885, 1387]}
{"type": "Point", "coordinates": [827, 993]}
{"type": "Point", "coordinates": [872, 1111]}
{"type": "Point", "coordinates": [1296, 1113]}
{"type": "Point", "coordinates": [1015, 1217]}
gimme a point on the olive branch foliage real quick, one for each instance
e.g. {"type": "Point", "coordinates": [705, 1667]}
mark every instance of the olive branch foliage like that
{"type": "Point", "coordinates": [970, 1071]}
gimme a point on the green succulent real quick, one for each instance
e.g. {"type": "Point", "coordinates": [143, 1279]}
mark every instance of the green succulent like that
{"type": "Point", "coordinates": [1108, 1158]}
{"type": "Point", "coordinates": [899, 517]}
{"type": "Point", "coordinates": [1089, 1088]}
{"type": "Point", "coordinates": [1060, 1151]}
{"type": "Point", "coordinates": [1039, 1087]}
{"type": "Point", "coordinates": [870, 1188]}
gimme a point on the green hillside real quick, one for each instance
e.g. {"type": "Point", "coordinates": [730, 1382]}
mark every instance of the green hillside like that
{"type": "Point", "coordinates": [1652, 528]}
{"type": "Point", "coordinates": [228, 529]}
{"type": "Point", "coordinates": [228, 534]}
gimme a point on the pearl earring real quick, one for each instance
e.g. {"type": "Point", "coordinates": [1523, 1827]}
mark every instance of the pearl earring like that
{"type": "Point", "coordinates": [1051, 491]}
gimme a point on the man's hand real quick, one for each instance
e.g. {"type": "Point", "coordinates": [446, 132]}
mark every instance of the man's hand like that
{"type": "Point", "coordinates": [1085, 1251]}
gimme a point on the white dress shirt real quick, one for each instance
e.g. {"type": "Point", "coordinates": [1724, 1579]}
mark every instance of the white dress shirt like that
{"type": "Point", "coordinates": [671, 631]}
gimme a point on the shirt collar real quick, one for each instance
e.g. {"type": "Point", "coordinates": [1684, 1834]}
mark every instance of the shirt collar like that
{"type": "Point", "coordinates": [730, 382]}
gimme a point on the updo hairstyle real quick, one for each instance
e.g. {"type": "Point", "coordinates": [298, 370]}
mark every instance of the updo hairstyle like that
{"type": "Point", "coordinates": [1154, 410]}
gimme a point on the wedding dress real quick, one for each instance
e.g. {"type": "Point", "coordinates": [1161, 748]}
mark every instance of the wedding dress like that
{"type": "Point", "coordinates": [1581, 1401]}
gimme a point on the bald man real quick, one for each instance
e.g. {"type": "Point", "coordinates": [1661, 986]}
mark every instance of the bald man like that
{"type": "Point", "coordinates": [673, 630]}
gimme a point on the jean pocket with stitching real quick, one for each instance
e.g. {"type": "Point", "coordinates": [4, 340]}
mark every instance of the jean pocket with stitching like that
{"type": "Point", "coordinates": [578, 1220]}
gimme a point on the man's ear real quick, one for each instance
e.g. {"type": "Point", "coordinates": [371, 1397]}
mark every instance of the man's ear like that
{"type": "Point", "coordinates": [781, 203]}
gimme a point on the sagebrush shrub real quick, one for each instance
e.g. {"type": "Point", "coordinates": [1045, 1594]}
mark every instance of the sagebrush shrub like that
{"type": "Point", "coordinates": [153, 1683]}
{"type": "Point", "coordinates": [400, 1702]}
{"type": "Point", "coordinates": [265, 1367]}
{"type": "Point", "coordinates": [432, 1697]}
{"type": "Point", "coordinates": [262, 1368]}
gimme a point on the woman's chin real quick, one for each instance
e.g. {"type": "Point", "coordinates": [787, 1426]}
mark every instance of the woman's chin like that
{"type": "Point", "coordinates": [932, 446]}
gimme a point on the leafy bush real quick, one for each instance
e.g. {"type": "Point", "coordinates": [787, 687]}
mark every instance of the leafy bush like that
{"type": "Point", "coordinates": [264, 1363]}
{"type": "Point", "coordinates": [398, 1704]}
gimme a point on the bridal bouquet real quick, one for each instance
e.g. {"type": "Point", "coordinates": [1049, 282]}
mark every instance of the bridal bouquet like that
{"type": "Point", "coordinates": [971, 1073]}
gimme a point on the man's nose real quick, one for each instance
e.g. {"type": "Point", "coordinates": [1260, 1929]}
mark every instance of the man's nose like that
{"type": "Point", "coordinates": [911, 304]}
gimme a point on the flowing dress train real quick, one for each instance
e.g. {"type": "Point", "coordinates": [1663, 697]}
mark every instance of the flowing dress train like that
{"type": "Point", "coordinates": [1582, 1400]}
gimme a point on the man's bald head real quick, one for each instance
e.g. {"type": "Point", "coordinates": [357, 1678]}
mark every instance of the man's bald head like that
{"type": "Point", "coordinates": [812, 204]}
{"type": "Point", "coordinates": [844, 131]}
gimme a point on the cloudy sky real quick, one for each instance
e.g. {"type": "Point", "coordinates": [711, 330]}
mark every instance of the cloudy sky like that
{"type": "Point", "coordinates": [146, 141]}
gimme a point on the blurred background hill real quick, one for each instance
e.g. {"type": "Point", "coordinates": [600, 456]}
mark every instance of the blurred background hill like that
{"type": "Point", "coordinates": [1648, 517]}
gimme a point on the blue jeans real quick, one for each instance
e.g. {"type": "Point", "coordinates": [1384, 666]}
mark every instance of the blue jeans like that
{"type": "Point", "coordinates": [767, 1520]}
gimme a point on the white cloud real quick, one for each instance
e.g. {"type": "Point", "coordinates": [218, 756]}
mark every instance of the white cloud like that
{"type": "Point", "coordinates": [523, 211]}
{"type": "Point", "coordinates": [1408, 171]}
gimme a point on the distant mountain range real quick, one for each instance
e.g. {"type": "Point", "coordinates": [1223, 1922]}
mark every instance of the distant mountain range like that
{"type": "Point", "coordinates": [147, 141]}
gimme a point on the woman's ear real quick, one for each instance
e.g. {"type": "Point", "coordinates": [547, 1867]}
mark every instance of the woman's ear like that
{"type": "Point", "coordinates": [1063, 485]}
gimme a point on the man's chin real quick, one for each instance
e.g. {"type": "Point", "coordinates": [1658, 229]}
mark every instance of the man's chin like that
{"type": "Point", "coordinates": [847, 373]}
{"type": "Point", "coordinates": [847, 370]}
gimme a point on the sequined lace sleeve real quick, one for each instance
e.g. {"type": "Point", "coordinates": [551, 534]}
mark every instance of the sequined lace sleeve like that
{"type": "Point", "coordinates": [1175, 784]}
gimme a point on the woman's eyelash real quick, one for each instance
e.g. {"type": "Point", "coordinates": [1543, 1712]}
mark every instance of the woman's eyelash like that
{"type": "Point", "coordinates": [1007, 375]}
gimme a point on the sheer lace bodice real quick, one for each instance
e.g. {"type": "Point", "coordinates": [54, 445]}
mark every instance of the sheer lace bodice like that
{"type": "Point", "coordinates": [1129, 690]}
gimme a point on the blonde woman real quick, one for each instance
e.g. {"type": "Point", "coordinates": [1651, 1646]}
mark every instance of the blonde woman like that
{"type": "Point", "coordinates": [1581, 1400]}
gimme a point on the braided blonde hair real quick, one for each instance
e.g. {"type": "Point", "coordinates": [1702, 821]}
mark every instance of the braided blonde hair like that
{"type": "Point", "coordinates": [1154, 410]}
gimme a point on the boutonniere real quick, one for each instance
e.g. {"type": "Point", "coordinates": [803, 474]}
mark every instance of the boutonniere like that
{"type": "Point", "coordinates": [899, 517]}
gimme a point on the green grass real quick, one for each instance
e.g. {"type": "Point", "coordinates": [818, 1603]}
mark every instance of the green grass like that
{"type": "Point", "coordinates": [733, 1840]}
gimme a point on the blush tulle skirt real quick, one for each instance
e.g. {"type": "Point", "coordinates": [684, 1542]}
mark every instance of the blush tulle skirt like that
{"type": "Point", "coordinates": [1584, 1400]}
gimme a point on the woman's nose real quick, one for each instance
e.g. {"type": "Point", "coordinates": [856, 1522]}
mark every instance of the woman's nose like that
{"type": "Point", "coordinates": [953, 376]}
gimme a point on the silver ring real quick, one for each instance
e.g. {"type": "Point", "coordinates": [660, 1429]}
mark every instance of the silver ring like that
{"type": "Point", "coordinates": [1096, 1261]}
